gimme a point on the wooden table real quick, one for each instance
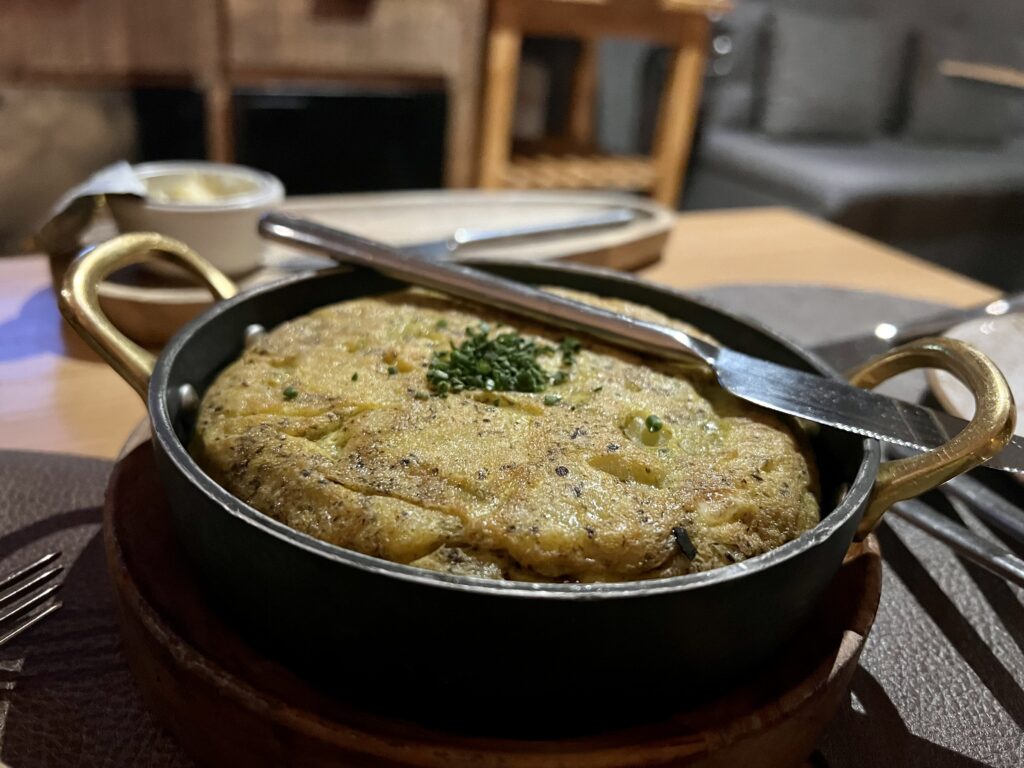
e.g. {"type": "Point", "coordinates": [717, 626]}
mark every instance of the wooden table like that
{"type": "Point", "coordinates": [56, 396]}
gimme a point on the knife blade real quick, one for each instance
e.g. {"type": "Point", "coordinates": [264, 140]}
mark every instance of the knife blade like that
{"type": "Point", "coordinates": [844, 354]}
{"type": "Point", "coordinates": [838, 404]}
{"type": "Point", "coordinates": [828, 401]}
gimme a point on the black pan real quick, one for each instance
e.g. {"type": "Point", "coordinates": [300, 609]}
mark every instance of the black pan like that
{"type": "Point", "coordinates": [501, 656]}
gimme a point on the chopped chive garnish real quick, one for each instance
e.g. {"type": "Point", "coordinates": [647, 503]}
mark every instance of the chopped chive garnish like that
{"type": "Point", "coordinates": [290, 393]}
{"type": "Point", "coordinates": [506, 362]}
{"type": "Point", "coordinates": [420, 395]}
{"type": "Point", "coordinates": [597, 389]}
{"type": "Point", "coordinates": [442, 323]}
{"type": "Point", "coordinates": [569, 346]}
{"type": "Point", "coordinates": [654, 423]}
{"type": "Point", "coordinates": [551, 399]}
{"type": "Point", "coordinates": [392, 370]}
{"type": "Point", "coordinates": [684, 543]}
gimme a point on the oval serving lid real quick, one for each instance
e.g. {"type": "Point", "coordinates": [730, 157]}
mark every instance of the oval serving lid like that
{"type": "Point", "coordinates": [407, 218]}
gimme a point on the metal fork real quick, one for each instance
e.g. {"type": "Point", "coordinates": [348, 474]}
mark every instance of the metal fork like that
{"type": "Point", "coordinates": [26, 596]}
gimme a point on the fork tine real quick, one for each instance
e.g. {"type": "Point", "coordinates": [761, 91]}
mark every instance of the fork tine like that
{"type": "Point", "coordinates": [24, 607]}
{"type": "Point", "coordinates": [35, 618]}
{"type": "Point", "coordinates": [24, 585]}
{"type": "Point", "coordinates": [13, 595]}
{"type": "Point", "coordinates": [17, 576]}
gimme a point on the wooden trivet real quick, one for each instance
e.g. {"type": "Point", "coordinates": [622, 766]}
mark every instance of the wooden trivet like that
{"type": "Point", "coordinates": [230, 706]}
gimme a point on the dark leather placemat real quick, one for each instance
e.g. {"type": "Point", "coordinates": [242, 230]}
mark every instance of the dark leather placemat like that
{"type": "Point", "coordinates": [941, 682]}
{"type": "Point", "coordinates": [67, 697]}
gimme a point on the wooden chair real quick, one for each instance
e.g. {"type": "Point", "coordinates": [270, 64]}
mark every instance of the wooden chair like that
{"type": "Point", "coordinates": [682, 25]}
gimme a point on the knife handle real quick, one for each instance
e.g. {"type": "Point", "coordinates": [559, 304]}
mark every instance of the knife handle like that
{"type": "Point", "coordinates": [488, 289]}
{"type": "Point", "coordinates": [982, 438]}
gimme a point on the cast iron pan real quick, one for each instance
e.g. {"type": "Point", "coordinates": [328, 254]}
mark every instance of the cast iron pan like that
{"type": "Point", "coordinates": [496, 657]}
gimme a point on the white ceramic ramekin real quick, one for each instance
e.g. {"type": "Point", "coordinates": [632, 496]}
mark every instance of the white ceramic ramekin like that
{"type": "Point", "coordinates": [221, 229]}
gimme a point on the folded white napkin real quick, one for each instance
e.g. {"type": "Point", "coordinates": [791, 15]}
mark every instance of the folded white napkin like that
{"type": "Point", "coordinates": [73, 213]}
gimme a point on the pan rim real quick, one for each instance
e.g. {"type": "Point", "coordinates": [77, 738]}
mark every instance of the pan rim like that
{"type": "Point", "coordinates": [176, 452]}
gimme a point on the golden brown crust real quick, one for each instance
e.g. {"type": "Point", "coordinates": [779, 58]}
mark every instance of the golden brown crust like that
{"type": "Point", "coordinates": [519, 489]}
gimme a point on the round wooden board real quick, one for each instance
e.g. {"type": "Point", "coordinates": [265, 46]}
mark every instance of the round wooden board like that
{"type": "Point", "coordinates": [230, 706]}
{"type": "Point", "coordinates": [149, 308]}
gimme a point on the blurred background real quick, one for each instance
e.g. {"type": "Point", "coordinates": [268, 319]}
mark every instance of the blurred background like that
{"type": "Point", "coordinates": [902, 121]}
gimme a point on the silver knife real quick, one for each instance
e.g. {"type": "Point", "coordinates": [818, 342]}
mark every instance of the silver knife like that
{"type": "Point", "coordinates": [463, 237]}
{"type": "Point", "coordinates": [824, 400]}
{"type": "Point", "coordinates": [844, 354]}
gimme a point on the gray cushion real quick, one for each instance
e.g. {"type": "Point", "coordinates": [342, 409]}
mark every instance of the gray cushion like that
{"type": "Point", "coordinates": [953, 111]}
{"type": "Point", "coordinates": [729, 105]}
{"type": "Point", "coordinates": [830, 76]}
{"type": "Point", "coordinates": [828, 178]}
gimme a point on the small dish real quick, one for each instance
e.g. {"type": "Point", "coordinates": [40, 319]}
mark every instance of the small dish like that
{"type": "Point", "coordinates": [213, 207]}
{"type": "Point", "coordinates": [1002, 339]}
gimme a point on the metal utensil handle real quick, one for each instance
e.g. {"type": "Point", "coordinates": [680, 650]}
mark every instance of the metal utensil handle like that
{"type": "Point", "coordinates": [988, 505]}
{"type": "Point", "coordinates": [989, 555]}
{"type": "Point", "coordinates": [940, 323]}
{"type": "Point", "coordinates": [613, 218]}
{"type": "Point", "coordinates": [475, 285]}
{"type": "Point", "coordinates": [982, 500]}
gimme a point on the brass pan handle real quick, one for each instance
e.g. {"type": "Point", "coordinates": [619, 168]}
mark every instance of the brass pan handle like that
{"type": "Point", "coordinates": [80, 304]}
{"type": "Point", "coordinates": [985, 435]}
